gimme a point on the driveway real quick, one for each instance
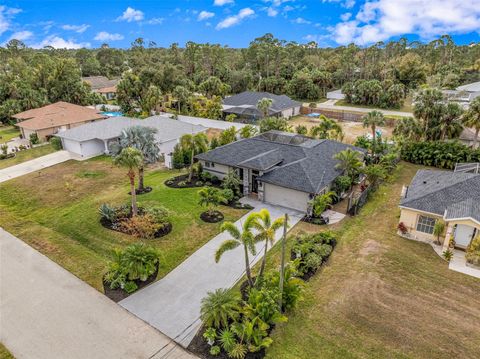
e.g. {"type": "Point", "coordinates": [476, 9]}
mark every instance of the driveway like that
{"type": "Point", "coordinates": [34, 165]}
{"type": "Point", "coordinates": [48, 313]}
{"type": "Point", "coordinates": [330, 105]}
{"type": "Point", "coordinates": [172, 304]}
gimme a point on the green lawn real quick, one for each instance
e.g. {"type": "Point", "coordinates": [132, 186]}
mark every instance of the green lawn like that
{"type": "Point", "coordinates": [7, 133]}
{"type": "Point", "coordinates": [4, 353]}
{"type": "Point", "coordinates": [56, 212]}
{"type": "Point", "coordinates": [381, 296]}
{"type": "Point", "coordinates": [26, 155]}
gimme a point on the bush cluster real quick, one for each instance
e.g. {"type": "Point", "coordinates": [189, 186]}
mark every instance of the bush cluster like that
{"type": "Point", "coordinates": [473, 252]}
{"type": "Point", "coordinates": [310, 251]}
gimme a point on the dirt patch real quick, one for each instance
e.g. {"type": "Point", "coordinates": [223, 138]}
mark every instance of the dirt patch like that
{"type": "Point", "coordinates": [370, 247]}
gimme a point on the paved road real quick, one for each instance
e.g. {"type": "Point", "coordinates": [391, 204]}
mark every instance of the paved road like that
{"type": "Point", "coordinates": [48, 313]}
{"type": "Point", "coordinates": [172, 304]}
{"type": "Point", "coordinates": [330, 105]}
{"type": "Point", "coordinates": [36, 164]}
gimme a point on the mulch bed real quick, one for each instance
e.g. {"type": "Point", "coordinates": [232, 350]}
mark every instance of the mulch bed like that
{"type": "Point", "coordinates": [160, 233]}
{"type": "Point", "coordinates": [118, 294]}
{"type": "Point", "coordinates": [195, 182]}
{"type": "Point", "coordinates": [214, 217]}
{"type": "Point", "coordinates": [147, 189]}
{"type": "Point", "coordinates": [6, 157]}
{"type": "Point", "coordinates": [200, 347]}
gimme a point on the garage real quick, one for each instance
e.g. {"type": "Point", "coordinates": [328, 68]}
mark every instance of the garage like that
{"type": "Point", "coordinates": [286, 197]}
{"type": "Point", "coordinates": [88, 148]}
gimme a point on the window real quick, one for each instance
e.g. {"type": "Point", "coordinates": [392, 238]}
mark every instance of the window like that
{"type": "Point", "coordinates": [209, 164]}
{"type": "Point", "coordinates": [425, 224]}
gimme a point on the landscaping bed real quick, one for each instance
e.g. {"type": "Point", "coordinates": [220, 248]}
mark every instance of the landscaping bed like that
{"type": "Point", "coordinates": [212, 216]}
{"type": "Point", "coordinates": [147, 189]}
{"type": "Point", "coordinates": [6, 156]}
{"type": "Point", "coordinates": [182, 182]}
{"type": "Point", "coordinates": [119, 294]}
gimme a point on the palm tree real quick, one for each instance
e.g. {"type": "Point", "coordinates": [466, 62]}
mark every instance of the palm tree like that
{"type": "Point", "coordinates": [438, 229]}
{"type": "Point", "coordinates": [450, 125]}
{"type": "Point", "coordinates": [211, 198]}
{"type": "Point", "coordinates": [195, 144]}
{"type": "Point", "coordinates": [265, 230]}
{"type": "Point", "coordinates": [373, 119]}
{"type": "Point", "coordinates": [264, 106]}
{"type": "Point", "coordinates": [219, 307]}
{"type": "Point", "coordinates": [428, 109]}
{"type": "Point", "coordinates": [375, 173]}
{"type": "Point", "coordinates": [240, 237]}
{"type": "Point", "coordinates": [182, 95]}
{"type": "Point", "coordinates": [321, 202]}
{"type": "Point", "coordinates": [409, 128]}
{"type": "Point", "coordinates": [327, 128]}
{"type": "Point", "coordinates": [472, 119]}
{"type": "Point", "coordinates": [143, 139]}
{"type": "Point", "coordinates": [130, 158]}
{"type": "Point", "coordinates": [349, 161]}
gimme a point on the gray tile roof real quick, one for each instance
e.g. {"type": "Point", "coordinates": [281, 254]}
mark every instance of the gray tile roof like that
{"type": "Point", "coordinates": [99, 82]}
{"type": "Point", "coordinates": [298, 162]}
{"type": "Point", "coordinates": [167, 129]}
{"type": "Point", "coordinates": [436, 191]}
{"type": "Point", "coordinates": [246, 102]}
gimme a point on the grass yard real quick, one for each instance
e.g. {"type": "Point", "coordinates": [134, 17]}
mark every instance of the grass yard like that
{"type": "Point", "coordinates": [56, 212]}
{"type": "Point", "coordinates": [7, 133]}
{"type": "Point", "coordinates": [26, 155]}
{"type": "Point", "coordinates": [4, 353]}
{"type": "Point", "coordinates": [381, 296]}
{"type": "Point", "coordinates": [351, 129]}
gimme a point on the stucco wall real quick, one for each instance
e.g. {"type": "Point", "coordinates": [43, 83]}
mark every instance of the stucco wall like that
{"type": "Point", "coordinates": [410, 219]}
{"type": "Point", "coordinates": [219, 170]}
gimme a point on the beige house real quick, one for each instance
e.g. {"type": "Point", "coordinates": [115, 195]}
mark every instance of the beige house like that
{"type": "Point", "coordinates": [48, 120]}
{"type": "Point", "coordinates": [451, 197]}
{"type": "Point", "coordinates": [103, 86]}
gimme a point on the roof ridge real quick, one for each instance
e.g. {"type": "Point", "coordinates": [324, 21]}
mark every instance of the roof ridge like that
{"type": "Point", "coordinates": [259, 155]}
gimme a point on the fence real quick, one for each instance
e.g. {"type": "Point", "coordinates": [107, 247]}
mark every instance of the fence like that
{"type": "Point", "coordinates": [354, 204]}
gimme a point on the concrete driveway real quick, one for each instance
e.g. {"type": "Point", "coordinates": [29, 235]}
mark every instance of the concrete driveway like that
{"type": "Point", "coordinates": [48, 313]}
{"type": "Point", "coordinates": [34, 165]}
{"type": "Point", "coordinates": [172, 304]}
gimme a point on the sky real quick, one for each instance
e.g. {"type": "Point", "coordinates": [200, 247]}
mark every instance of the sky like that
{"type": "Point", "coordinates": [235, 23]}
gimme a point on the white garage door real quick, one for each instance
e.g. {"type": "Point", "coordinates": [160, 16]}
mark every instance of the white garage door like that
{"type": "Point", "coordinates": [463, 235]}
{"type": "Point", "coordinates": [85, 149]}
{"type": "Point", "coordinates": [285, 197]}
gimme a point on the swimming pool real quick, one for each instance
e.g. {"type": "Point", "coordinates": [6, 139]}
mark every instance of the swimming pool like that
{"type": "Point", "coordinates": [112, 113]}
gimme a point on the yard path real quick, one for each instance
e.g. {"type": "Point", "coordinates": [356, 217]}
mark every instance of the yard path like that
{"type": "Point", "coordinates": [330, 105]}
{"type": "Point", "coordinates": [47, 312]}
{"type": "Point", "coordinates": [36, 164]}
{"type": "Point", "coordinates": [172, 304]}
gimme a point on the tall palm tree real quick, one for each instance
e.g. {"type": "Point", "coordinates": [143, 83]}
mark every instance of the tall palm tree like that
{"type": "Point", "coordinates": [143, 139]}
{"type": "Point", "coordinates": [373, 119]}
{"type": "Point", "coordinates": [428, 108]}
{"type": "Point", "coordinates": [327, 128]}
{"type": "Point", "coordinates": [130, 158]}
{"type": "Point", "coordinates": [265, 230]}
{"type": "Point", "coordinates": [450, 125]}
{"type": "Point", "coordinates": [194, 144]}
{"type": "Point", "coordinates": [349, 161]}
{"type": "Point", "coordinates": [472, 119]}
{"type": "Point", "coordinates": [264, 106]}
{"type": "Point", "coordinates": [409, 128]}
{"type": "Point", "coordinates": [240, 237]}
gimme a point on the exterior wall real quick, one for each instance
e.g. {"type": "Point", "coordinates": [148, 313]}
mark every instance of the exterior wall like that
{"type": "Point", "coordinates": [72, 146]}
{"type": "Point", "coordinates": [291, 112]}
{"type": "Point", "coordinates": [46, 132]}
{"type": "Point", "coordinates": [410, 219]}
{"type": "Point", "coordinates": [285, 197]}
{"type": "Point", "coordinates": [219, 170]}
{"type": "Point", "coordinates": [84, 149]}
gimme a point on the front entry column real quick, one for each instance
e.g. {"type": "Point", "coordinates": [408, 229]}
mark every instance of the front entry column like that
{"type": "Point", "coordinates": [105, 142]}
{"type": "Point", "coordinates": [246, 182]}
{"type": "Point", "coordinates": [448, 234]}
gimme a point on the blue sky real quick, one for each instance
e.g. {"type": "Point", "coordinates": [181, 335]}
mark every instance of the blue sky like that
{"type": "Point", "coordinates": [86, 23]}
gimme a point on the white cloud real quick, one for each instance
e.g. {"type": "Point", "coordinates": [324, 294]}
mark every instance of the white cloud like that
{"type": "Point", "coordinates": [272, 12]}
{"type": "Point", "coordinates": [21, 35]}
{"type": "Point", "coordinates": [105, 36]}
{"type": "Point", "coordinates": [60, 43]}
{"type": "Point", "coordinates": [155, 21]}
{"type": "Point", "coordinates": [130, 15]}
{"type": "Point", "coordinates": [348, 4]}
{"type": "Point", "coordinates": [235, 19]}
{"type": "Point", "coordinates": [382, 19]}
{"type": "Point", "coordinates": [346, 16]}
{"type": "Point", "coordinates": [6, 14]}
{"type": "Point", "coordinates": [301, 20]}
{"type": "Point", "coordinates": [203, 15]}
{"type": "Point", "coordinates": [222, 2]}
{"type": "Point", "coordinates": [77, 28]}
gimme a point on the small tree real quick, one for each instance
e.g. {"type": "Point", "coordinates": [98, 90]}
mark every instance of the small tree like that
{"type": "Point", "coordinates": [273, 123]}
{"type": "Point", "coordinates": [248, 131]}
{"type": "Point", "coordinates": [230, 117]}
{"type": "Point", "coordinates": [321, 202]}
{"type": "Point", "coordinates": [342, 184]}
{"type": "Point", "coordinates": [211, 198]}
{"type": "Point", "coordinates": [194, 144]}
{"type": "Point", "coordinates": [228, 136]}
{"type": "Point", "coordinates": [4, 148]}
{"type": "Point", "coordinates": [232, 182]}
{"type": "Point", "coordinates": [301, 130]}
{"type": "Point", "coordinates": [438, 229]}
{"type": "Point", "coordinates": [264, 106]}
{"type": "Point", "coordinates": [375, 174]}
{"type": "Point", "coordinates": [34, 139]}
{"type": "Point", "coordinates": [178, 158]}
{"type": "Point", "coordinates": [349, 161]}
{"type": "Point", "coordinates": [373, 119]}
{"type": "Point", "coordinates": [131, 159]}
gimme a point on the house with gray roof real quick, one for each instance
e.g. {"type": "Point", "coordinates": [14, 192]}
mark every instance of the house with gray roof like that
{"type": "Point", "coordinates": [451, 197]}
{"type": "Point", "coordinates": [103, 86]}
{"type": "Point", "coordinates": [280, 168]}
{"type": "Point", "coordinates": [244, 105]}
{"type": "Point", "coordinates": [464, 94]}
{"type": "Point", "coordinates": [95, 138]}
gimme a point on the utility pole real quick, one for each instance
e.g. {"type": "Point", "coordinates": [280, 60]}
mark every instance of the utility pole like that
{"type": "Point", "coordinates": [282, 265]}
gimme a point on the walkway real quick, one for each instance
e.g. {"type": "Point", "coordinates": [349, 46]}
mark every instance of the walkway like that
{"type": "Point", "coordinates": [172, 304]}
{"type": "Point", "coordinates": [48, 313]}
{"type": "Point", "coordinates": [36, 164]}
{"type": "Point", "coordinates": [330, 105]}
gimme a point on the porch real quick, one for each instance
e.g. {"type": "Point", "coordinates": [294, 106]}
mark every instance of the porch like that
{"type": "Point", "coordinates": [458, 263]}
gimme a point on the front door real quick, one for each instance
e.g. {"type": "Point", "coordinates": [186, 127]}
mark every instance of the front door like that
{"type": "Point", "coordinates": [463, 235]}
{"type": "Point", "coordinates": [254, 184]}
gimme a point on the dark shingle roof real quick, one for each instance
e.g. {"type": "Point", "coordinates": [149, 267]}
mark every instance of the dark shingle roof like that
{"type": "Point", "coordinates": [288, 160]}
{"type": "Point", "coordinates": [249, 98]}
{"type": "Point", "coordinates": [99, 82]}
{"type": "Point", "coordinates": [436, 191]}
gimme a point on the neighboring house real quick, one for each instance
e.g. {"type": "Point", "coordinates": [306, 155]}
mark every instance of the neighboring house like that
{"type": "Point", "coordinates": [335, 95]}
{"type": "Point", "coordinates": [46, 121]}
{"type": "Point", "coordinates": [452, 197]}
{"type": "Point", "coordinates": [279, 167]}
{"type": "Point", "coordinates": [102, 85]}
{"type": "Point", "coordinates": [467, 137]}
{"type": "Point", "coordinates": [463, 94]}
{"type": "Point", "coordinates": [244, 105]}
{"type": "Point", "coordinates": [96, 138]}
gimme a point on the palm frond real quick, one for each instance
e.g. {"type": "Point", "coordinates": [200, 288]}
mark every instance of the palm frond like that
{"type": "Point", "coordinates": [226, 246]}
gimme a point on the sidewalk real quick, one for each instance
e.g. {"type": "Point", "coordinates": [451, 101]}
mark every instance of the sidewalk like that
{"type": "Point", "coordinates": [48, 313]}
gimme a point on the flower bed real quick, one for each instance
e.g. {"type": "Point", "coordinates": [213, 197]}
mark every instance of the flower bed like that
{"type": "Point", "coordinates": [119, 294]}
{"type": "Point", "coordinates": [6, 156]}
{"type": "Point", "coordinates": [212, 216]}
{"type": "Point", "coordinates": [182, 181]}
{"type": "Point", "coordinates": [149, 223]}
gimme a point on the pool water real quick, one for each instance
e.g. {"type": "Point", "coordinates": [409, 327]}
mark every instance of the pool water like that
{"type": "Point", "coordinates": [112, 113]}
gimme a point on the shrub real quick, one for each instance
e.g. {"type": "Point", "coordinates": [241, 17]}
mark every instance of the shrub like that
{"type": "Point", "coordinates": [342, 184]}
{"type": "Point", "coordinates": [311, 262]}
{"type": "Point", "coordinates": [220, 307]}
{"type": "Point", "coordinates": [210, 335]}
{"type": "Point", "coordinates": [228, 195]}
{"type": "Point", "coordinates": [402, 228]}
{"type": "Point", "coordinates": [232, 182]}
{"type": "Point", "coordinates": [182, 184]}
{"type": "Point", "coordinates": [130, 287]}
{"type": "Point", "coordinates": [144, 226]}
{"type": "Point", "coordinates": [56, 143]}
{"type": "Point", "coordinates": [107, 213]}
{"type": "Point", "coordinates": [199, 183]}
{"type": "Point", "coordinates": [178, 157]}
{"type": "Point", "coordinates": [215, 350]}
{"type": "Point", "coordinates": [4, 148]}
{"type": "Point", "coordinates": [263, 303]}
{"type": "Point", "coordinates": [448, 255]}
{"type": "Point", "coordinates": [312, 250]}
{"type": "Point", "coordinates": [159, 213]}
{"type": "Point", "coordinates": [211, 198]}
{"type": "Point", "coordinates": [292, 286]}
{"type": "Point", "coordinates": [473, 252]}
{"type": "Point", "coordinates": [301, 130]}
{"type": "Point", "coordinates": [34, 139]}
